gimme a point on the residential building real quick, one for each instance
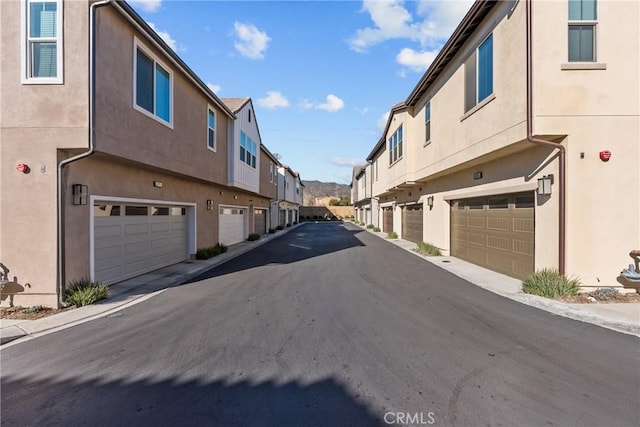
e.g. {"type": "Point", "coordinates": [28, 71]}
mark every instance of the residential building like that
{"type": "Point", "coordinates": [118, 159]}
{"type": "Point", "coordinates": [518, 148]}
{"type": "Point", "coordinates": [268, 188]}
{"type": "Point", "coordinates": [290, 192]}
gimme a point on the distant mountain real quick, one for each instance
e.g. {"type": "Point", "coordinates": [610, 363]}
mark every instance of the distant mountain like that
{"type": "Point", "coordinates": [319, 193]}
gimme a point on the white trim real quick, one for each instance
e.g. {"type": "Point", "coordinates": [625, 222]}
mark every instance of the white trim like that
{"type": "Point", "coordinates": [137, 44]}
{"type": "Point", "coordinates": [191, 219]}
{"type": "Point", "coordinates": [479, 106]}
{"type": "Point", "coordinates": [583, 66]}
{"type": "Point", "coordinates": [24, 45]}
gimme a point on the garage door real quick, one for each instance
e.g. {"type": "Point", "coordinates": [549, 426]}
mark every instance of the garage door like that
{"type": "Point", "coordinates": [130, 240]}
{"type": "Point", "coordinates": [387, 220]}
{"type": "Point", "coordinates": [283, 218]}
{"type": "Point", "coordinates": [495, 232]}
{"type": "Point", "coordinates": [412, 223]}
{"type": "Point", "coordinates": [232, 222]}
{"type": "Point", "coordinates": [260, 221]}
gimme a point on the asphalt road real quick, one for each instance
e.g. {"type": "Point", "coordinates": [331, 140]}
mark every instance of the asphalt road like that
{"type": "Point", "coordinates": [328, 325]}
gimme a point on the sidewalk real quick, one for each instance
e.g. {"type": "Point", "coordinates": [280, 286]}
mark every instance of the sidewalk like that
{"type": "Point", "coordinates": [128, 292]}
{"type": "Point", "coordinates": [621, 317]}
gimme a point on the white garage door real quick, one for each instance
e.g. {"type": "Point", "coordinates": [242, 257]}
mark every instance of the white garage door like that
{"type": "Point", "coordinates": [232, 225]}
{"type": "Point", "coordinates": [130, 240]}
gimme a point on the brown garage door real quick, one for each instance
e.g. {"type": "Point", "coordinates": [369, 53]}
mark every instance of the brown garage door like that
{"type": "Point", "coordinates": [260, 221]}
{"type": "Point", "coordinates": [495, 232]}
{"type": "Point", "coordinates": [387, 220]}
{"type": "Point", "coordinates": [412, 223]}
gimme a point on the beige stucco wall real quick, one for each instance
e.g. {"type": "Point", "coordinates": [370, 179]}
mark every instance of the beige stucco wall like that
{"type": "Point", "coordinates": [124, 131]}
{"type": "Point", "coordinates": [33, 124]}
{"type": "Point", "coordinates": [598, 110]}
{"type": "Point", "coordinates": [267, 187]}
{"type": "Point", "coordinates": [109, 176]}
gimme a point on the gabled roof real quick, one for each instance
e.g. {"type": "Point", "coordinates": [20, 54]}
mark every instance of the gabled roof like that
{"type": "Point", "coordinates": [235, 104]}
{"type": "Point", "coordinates": [127, 11]}
{"type": "Point", "coordinates": [479, 10]}
{"type": "Point", "coordinates": [270, 154]}
{"type": "Point", "coordinates": [401, 106]}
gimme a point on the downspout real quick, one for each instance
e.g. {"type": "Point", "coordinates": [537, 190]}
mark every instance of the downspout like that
{"type": "Point", "coordinates": [63, 163]}
{"type": "Point", "coordinates": [561, 148]}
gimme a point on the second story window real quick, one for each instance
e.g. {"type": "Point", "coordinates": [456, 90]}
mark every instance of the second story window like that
{"type": "Point", "coordinates": [395, 146]}
{"type": "Point", "coordinates": [582, 30]}
{"type": "Point", "coordinates": [248, 150]}
{"type": "Point", "coordinates": [152, 83]}
{"type": "Point", "coordinates": [427, 123]}
{"type": "Point", "coordinates": [211, 129]}
{"type": "Point", "coordinates": [42, 41]}
{"type": "Point", "coordinates": [478, 74]}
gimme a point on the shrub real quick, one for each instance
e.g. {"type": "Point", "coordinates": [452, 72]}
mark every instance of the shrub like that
{"type": "Point", "coordinates": [604, 294]}
{"type": "Point", "coordinates": [369, 226]}
{"type": "Point", "coordinates": [550, 283]}
{"type": "Point", "coordinates": [34, 309]}
{"type": "Point", "coordinates": [376, 229]}
{"type": "Point", "coordinates": [83, 291]}
{"type": "Point", "coordinates": [253, 236]}
{"type": "Point", "coordinates": [428, 249]}
{"type": "Point", "coordinates": [392, 235]}
{"type": "Point", "coordinates": [272, 230]}
{"type": "Point", "coordinates": [279, 227]}
{"type": "Point", "coordinates": [206, 253]}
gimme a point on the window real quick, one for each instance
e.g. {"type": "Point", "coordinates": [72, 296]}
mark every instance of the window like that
{"type": "Point", "coordinates": [42, 41]}
{"type": "Point", "coordinates": [427, 122]}
{"type": "Point", "coordinates": [297, 187]}
{"type": "Point", "coordinates": [395, 146]}
{"type": "Point", "coordinates": [582, 30]}
{"type": "Point", "coordinates": [248, 150]}
{"type": "Point", "coordinates": [249, 111]}
{"type": "Point", "coordinates": [478, 74]}
{"type": "Point", "coordinates": [211, 129]}
{"type": "Point", "coordinates": [152, 86]}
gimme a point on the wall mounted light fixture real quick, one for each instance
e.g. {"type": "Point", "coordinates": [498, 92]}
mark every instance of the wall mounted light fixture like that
{"type": "Point", "coordinates": [209, 204]}
{"type": "Point", "coordinates": [430, 201]}
{"type": "Point", "coordinates": [544, 185]}
{"type": "Point", "coordinates": [79, 192]}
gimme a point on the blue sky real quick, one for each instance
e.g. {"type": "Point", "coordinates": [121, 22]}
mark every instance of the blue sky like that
{"type": "Point", "coordinates": [322, 74]}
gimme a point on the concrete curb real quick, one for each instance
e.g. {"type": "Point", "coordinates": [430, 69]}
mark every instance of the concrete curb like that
{"type": "Point", "coordinates": [509, 287]}
{"type": "Point", "coordinates": [126, 294]}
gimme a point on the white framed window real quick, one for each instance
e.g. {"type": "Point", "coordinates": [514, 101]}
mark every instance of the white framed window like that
{"type": "Point", "coordinates": [42, 48]}
{"type": "Point", "coordinates": [583, 20]}
{"type": "Point", "coordinates": [211, 129]}
{"type": "Point", "coordinates": [395, 146]}
{"type": "Point", "coordinates": [152, 85]}
{"type": "Point", "coordinates": [427, 123]}
{"type": "Point", "coordinates": [248, 150]}
{"type": "Point", "coordinates": [478, 74]}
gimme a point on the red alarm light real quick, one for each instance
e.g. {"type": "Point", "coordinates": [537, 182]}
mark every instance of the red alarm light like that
{"type": "Point", "coordinates": [605, 155]}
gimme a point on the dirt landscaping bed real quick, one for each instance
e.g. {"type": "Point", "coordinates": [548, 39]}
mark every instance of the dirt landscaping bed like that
{"type": "Point", "coordinates": [30, 313]}
{"type": "Point", "coordinates": [584, 298]}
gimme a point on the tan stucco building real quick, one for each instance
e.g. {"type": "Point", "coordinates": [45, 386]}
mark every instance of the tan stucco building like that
{"type": "Point", "coordinates": [112, 170]}
{"type": "Point", "coordinates": [460, 161]}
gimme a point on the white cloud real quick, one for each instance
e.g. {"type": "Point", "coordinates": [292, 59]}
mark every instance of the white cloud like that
{"type": "Point", "coordinates": [252, 43]}
{"type": "Point", "coordinates": [165, 36]}
{"type": "Point", "coordinates": [214, 88]}
{"type": "Point", "coordinates": [391, 20]}
{"type": "Point", "coordinates": [416, 61]}
{"type": "Point", "coordinates": [362, 111]}
{"type": "Point", "coordinates": [305, 104]}
{"type": "Point", "coordinates": [273, 100]}
{"type": "Point", "coordinates": [147, 5]}
{"type": "Point", "coordinates": [345, 161]}
{"type": "Point", "coordinates": [332, 105]}
{"type": "Point", "coordinates": [382, 121]}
